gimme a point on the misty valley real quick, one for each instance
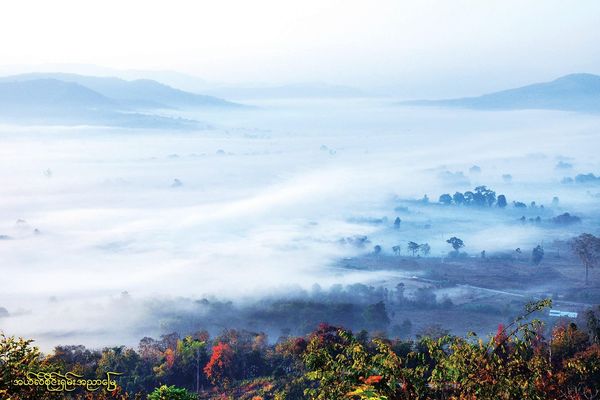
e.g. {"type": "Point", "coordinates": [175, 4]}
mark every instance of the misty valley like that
{"type": "Point", "coordinates": [299, 200]}
{"type": "Point", "coordinates": [276, 220]}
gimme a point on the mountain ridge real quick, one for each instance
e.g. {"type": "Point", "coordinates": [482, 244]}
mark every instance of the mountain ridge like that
{"type": "Point", "coordinates": [72, 99]}
{"type": "Point", "coordinates": [572, 92]}
{"type": "Point", "coordinates": [50, 93]}
{"type": "Point", "coordinates": [145, 93]}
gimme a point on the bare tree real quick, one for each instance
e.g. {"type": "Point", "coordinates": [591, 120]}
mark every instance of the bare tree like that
{"type": "Point", "coordinates": [587, 247]}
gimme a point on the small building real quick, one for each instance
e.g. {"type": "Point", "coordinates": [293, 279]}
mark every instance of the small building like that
{"type": "Point", "coordinates": [558, 313]}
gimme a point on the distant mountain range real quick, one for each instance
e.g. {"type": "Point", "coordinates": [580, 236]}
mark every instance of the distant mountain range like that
{"type": "Point", "coordinates": [65, 98]}
{"type": "Point", "coordinates": [136, 93]}
{"type": "Point", "coordinates": [194, 84]}
{"type": "Point", "coordinates": [575, 92]}
{"type": "Point", "coordinates": [78, 99]}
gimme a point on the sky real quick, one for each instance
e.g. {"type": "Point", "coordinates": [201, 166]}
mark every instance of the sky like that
{"type": "Point", "coordinates": [422, 47]}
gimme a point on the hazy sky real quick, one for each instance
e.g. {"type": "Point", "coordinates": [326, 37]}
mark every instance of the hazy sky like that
{"type": "Point", "coordinates": [466, 46]}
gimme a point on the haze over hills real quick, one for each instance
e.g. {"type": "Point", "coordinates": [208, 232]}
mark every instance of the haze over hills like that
{"type": "Point", "coordinates": [574, 92]}
{"type": "Point", "coordinates": [68, 98]}
{"type": "Point", "coordinates": [188, 83]}
{"type": "Point", "coordinates": [139, 93]}
{"type": "Point", "coordinates": [54, 102]}
{"type": "Point", "coordinates": [77, 99]}
{"type": "Point", "coordinates": [50, 94]}
{"type": "Point", "coordinates": [298, 90]}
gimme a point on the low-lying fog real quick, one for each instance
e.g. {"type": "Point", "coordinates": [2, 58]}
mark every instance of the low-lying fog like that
{"type": "Point", "coordinates": [258, 204]}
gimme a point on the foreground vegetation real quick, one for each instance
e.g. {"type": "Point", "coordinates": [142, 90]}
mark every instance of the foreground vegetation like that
{"type": "Point", "coordinates": [523, 360]}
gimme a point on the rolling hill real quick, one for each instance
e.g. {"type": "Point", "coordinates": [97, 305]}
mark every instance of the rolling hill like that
{"type": "Point", "coordinates": [139, 93]}
{"type": "Point", "coordinates": [574, 92]}
{"type": "Point", "coordinates": [57, 98]}
{"type": "Point", "coordinates": [49, 94]}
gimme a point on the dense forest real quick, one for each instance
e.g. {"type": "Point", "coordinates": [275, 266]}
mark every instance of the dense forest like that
{"type": "Point", "coordinates": [524, 359]}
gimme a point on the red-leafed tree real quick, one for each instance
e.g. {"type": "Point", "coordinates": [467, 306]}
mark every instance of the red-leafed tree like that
{"type": "Point", "coordinates": [219, 368]}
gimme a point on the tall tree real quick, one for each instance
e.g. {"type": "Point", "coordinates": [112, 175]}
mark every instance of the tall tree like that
{"type": "Point", "coordinates": [587, 247]}
{"type": "Point", "coordinates": [193, 351]}
{"type": "Point", "coordinates": [413, 247]}
{"type": "Point", "coordinates": [537, 255]}
{"type": "Point", "coordinates": [456, 243]}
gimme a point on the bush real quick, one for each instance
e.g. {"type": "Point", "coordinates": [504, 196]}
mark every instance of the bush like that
{"type": "Point", "coordinates": [171, 393]}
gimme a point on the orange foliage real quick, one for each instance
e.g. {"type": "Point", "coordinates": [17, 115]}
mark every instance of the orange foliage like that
{"type": "Point", "coordinates": [170, 357]}
{"type": "Point", "coordinates": [373, 379]}
{"type": "Point", "coordinates": [218, 368]}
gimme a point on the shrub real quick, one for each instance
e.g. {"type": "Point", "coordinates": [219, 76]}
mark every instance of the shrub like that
{"type": "Point", "coordinates": [171, 393]}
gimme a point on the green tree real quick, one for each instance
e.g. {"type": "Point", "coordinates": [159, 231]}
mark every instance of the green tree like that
{"type": "Point", "coordinates": [509, 365]}
{"type": "Point", "coordinates": [171, 393]}
{"type": "Point", "coordinates": [136, 375]}
{"type": "Point", "coordinates": [18, 361]}
{"type": "Point", "coordinates": [193, 351]}
{"type": "Point", "coordinates": [342, 367]}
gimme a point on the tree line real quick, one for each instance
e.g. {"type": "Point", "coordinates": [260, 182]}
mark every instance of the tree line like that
{"type": "Point", "coordinates": [522, 360]}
